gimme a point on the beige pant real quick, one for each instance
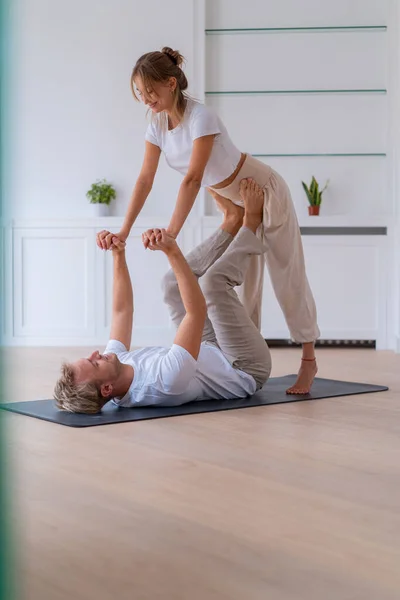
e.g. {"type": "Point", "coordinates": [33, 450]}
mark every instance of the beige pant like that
{"type": "Point", "coordinates": [280, 232]}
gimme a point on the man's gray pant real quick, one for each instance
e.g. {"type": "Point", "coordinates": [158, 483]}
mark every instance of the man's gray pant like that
{"type": "Point", "coordinates": [221, 262]}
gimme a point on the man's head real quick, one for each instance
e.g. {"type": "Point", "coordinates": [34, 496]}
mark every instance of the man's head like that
{"type": "Point", "coordinates": [88, 383]}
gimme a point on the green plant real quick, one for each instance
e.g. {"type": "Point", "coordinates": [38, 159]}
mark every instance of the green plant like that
{"type": "Point", "coordinates": [314, 194]}
{"type": "Point", "coordinates": [101, 192]}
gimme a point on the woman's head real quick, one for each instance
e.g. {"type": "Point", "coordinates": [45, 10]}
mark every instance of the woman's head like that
{"type": "Point", "coordinates": [158, 80]}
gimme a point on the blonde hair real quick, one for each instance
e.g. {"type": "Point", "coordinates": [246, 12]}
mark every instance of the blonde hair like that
{"type": "Point", "coordinates": [159, 67]}
{"type": "Point", "coordinates": [77, 398]}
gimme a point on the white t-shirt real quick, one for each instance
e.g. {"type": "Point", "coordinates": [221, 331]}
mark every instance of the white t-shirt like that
{"type": "Point", "coordinates": [177, 144]}
{"type": "Point", "coordinates": [171, 376]}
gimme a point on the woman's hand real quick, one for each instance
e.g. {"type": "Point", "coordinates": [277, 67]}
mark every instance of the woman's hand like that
{"type": "Point", "coordinates": [149, 236]}
{"type": "Point", "coordinates": [104, 239]}
{"type": "Point", "coordinates": [160, 239]}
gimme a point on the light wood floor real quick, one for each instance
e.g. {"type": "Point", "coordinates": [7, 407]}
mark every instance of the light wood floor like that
{"type": "Point", "coordinates": [288, 502]}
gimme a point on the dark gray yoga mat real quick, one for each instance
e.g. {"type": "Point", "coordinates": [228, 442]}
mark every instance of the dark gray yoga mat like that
{"type": "Point", "coordinates": [272, 393]}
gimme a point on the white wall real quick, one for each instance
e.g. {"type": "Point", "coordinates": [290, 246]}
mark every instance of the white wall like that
{"type": "Point", "coordinates": [280, 125]}
{"type": "Point", "coordinates": [74, 120]}
{"type": "Point", "coordinates": [73, 116]}
{"type": "Point", "coordinates": [308, 123]}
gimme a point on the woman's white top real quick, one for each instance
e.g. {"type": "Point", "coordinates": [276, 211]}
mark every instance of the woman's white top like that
{"type": "Point", "coordinates": [176, 144]}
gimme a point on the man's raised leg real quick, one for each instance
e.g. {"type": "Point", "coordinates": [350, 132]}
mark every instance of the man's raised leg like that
{"type": "Point", "coordinates": [201, 259]}
{"type": "Point", "coordinates": [236, 334]}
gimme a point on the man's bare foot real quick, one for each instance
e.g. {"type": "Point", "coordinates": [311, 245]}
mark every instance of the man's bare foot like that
{"type": "Point", "coordinates": [233, 214]}
{"type": "Point", "coordinates": [226, 206]}
{"type": "Point", "coordinates": [253, 199]}
{"type": "Point", "coordinates": [305, 377]}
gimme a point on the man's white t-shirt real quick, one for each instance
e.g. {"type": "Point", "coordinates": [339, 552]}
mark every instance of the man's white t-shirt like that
{"type": "Point", "coordinates": [171, 376]}
{"type": "Point", "coordinates": [177, 144]}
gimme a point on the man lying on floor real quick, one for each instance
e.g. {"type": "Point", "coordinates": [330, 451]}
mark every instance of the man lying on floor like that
{"type": "Point", "coordinates": [218, 353]}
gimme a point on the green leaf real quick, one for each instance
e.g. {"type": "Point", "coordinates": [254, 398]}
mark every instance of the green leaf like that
{"type": "Point", "coordinates": [326, 185]}
{"type": "Point", "coordinates": [308, 193]}
{"type": "Point", "coordinates": [101, 192]}
{"type": "Point", "coordinates": [316, 190]}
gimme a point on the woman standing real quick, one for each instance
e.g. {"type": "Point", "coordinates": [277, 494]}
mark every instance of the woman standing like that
{"type": "Point", "coordinates": [196, 143]}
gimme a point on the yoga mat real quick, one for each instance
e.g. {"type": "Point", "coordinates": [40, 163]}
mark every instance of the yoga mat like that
{"type": "Point", "coordinates": [272, 393]}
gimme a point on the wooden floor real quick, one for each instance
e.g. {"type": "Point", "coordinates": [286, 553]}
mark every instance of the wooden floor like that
{"type": "Point", "coordinates": [288, 502]}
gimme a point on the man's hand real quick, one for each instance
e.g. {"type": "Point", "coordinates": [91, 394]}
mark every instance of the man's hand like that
{"type": "Point", "coordinates": [159, 239]}
{"type": "Point", "coordinates": [104, 239]}
{"type": "Point", "coordinates": [117, 245]}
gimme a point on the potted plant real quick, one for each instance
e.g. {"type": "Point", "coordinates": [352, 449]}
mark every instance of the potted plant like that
{"type": "Point", "coordinates": [101, 193]}
{"type": "Point", "coordinates": [314, 195]}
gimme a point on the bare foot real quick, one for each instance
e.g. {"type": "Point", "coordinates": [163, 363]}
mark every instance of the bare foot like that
{"type": "Point", "coordinates": [305, 378]}
{"type": "Point", "coordinates": [227, 207]}
{"type": "Point", "coordinates": [253, 199]}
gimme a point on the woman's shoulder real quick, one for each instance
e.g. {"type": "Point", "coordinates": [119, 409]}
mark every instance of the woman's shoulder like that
{"type": "Point", "coordinates": [198, 108]}
{"type": "Point", "coordinates": [199, 112]}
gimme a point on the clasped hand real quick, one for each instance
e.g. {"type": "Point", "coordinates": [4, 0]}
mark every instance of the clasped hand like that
{"type": "Point", "coordinates": [153, 239]}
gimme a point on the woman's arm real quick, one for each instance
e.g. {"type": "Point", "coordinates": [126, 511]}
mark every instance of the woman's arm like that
{"type": "Point", "coordinates": [142, 188]}
{"type": "Point", "coordinates": [190, 186]}
{"type": "Point", "coordinates": [139, 196]}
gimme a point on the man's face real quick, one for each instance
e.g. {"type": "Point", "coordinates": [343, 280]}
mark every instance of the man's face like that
{"type": "Point", "coordinates": [102, 369]}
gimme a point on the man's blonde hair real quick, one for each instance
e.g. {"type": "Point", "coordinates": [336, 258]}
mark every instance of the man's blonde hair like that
{"type": "Point", "coordinates": [77, 398]}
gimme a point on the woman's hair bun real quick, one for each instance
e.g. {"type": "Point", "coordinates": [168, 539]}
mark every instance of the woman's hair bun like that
{"type": "Point", "coordinates": [174, 55]}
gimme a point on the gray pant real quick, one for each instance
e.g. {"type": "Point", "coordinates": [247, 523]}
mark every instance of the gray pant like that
{"type": "Point", "coordinates": [221, 262]}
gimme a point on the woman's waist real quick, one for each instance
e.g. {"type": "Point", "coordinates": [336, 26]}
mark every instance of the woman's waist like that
{"type": "Point", "coordinates": [249, 167]}
{"type": "Point", "coordinates": [232, 177]}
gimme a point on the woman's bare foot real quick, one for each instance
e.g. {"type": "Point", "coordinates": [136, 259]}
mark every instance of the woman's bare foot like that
{"type": "Point", "coordinates": [253, 199]}
{"type": "Point", "coordinates": [307, 372]}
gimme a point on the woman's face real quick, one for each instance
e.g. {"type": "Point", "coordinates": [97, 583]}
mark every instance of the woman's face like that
{"type": "Point", "coordinates": [159, 97]}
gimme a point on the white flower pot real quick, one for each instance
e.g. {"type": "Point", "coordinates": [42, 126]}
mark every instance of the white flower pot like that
{"type": "Point", "coordinates": [101, 210]}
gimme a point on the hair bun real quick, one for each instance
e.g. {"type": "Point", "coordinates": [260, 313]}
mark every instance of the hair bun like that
{"type": "Point", "coordinates": [174, 55]}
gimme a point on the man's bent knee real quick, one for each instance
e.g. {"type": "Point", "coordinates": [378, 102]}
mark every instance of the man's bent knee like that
{"type": "Point", "coordinates": [213, 282]}
{"type": "Point", "coordinates": [169, 285]}
{"type": "Point", "coordinates": [262, 372]}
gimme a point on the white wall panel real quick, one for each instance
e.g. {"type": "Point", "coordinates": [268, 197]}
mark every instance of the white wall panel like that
{"type": "Point", "coordinates": [72, 305]}
{"type": "Point", "coordinates": [54, 283]}
{"type": "Point", "coordinates": [296, 61]}
{"type": "Point", "coordinates": [347, 283]}
{"type": "Point", "coordinates": [348, 279]}
{"type": "Point", "coordinates": [298, 124]}
{"type": "Point", "coordinates": [293, 13]}
{"type": "Point", "coordinates": [147, 269]}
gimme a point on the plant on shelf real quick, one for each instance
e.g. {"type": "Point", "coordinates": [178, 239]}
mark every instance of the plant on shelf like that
{"type": "Point", "coordinates": [314, 195]}
{"type": "Point", "coordinates": [101, 193]}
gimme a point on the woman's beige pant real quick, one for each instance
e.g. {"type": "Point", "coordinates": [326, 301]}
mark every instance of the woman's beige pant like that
{"type": "Point", "coordinates": [280, 232]}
